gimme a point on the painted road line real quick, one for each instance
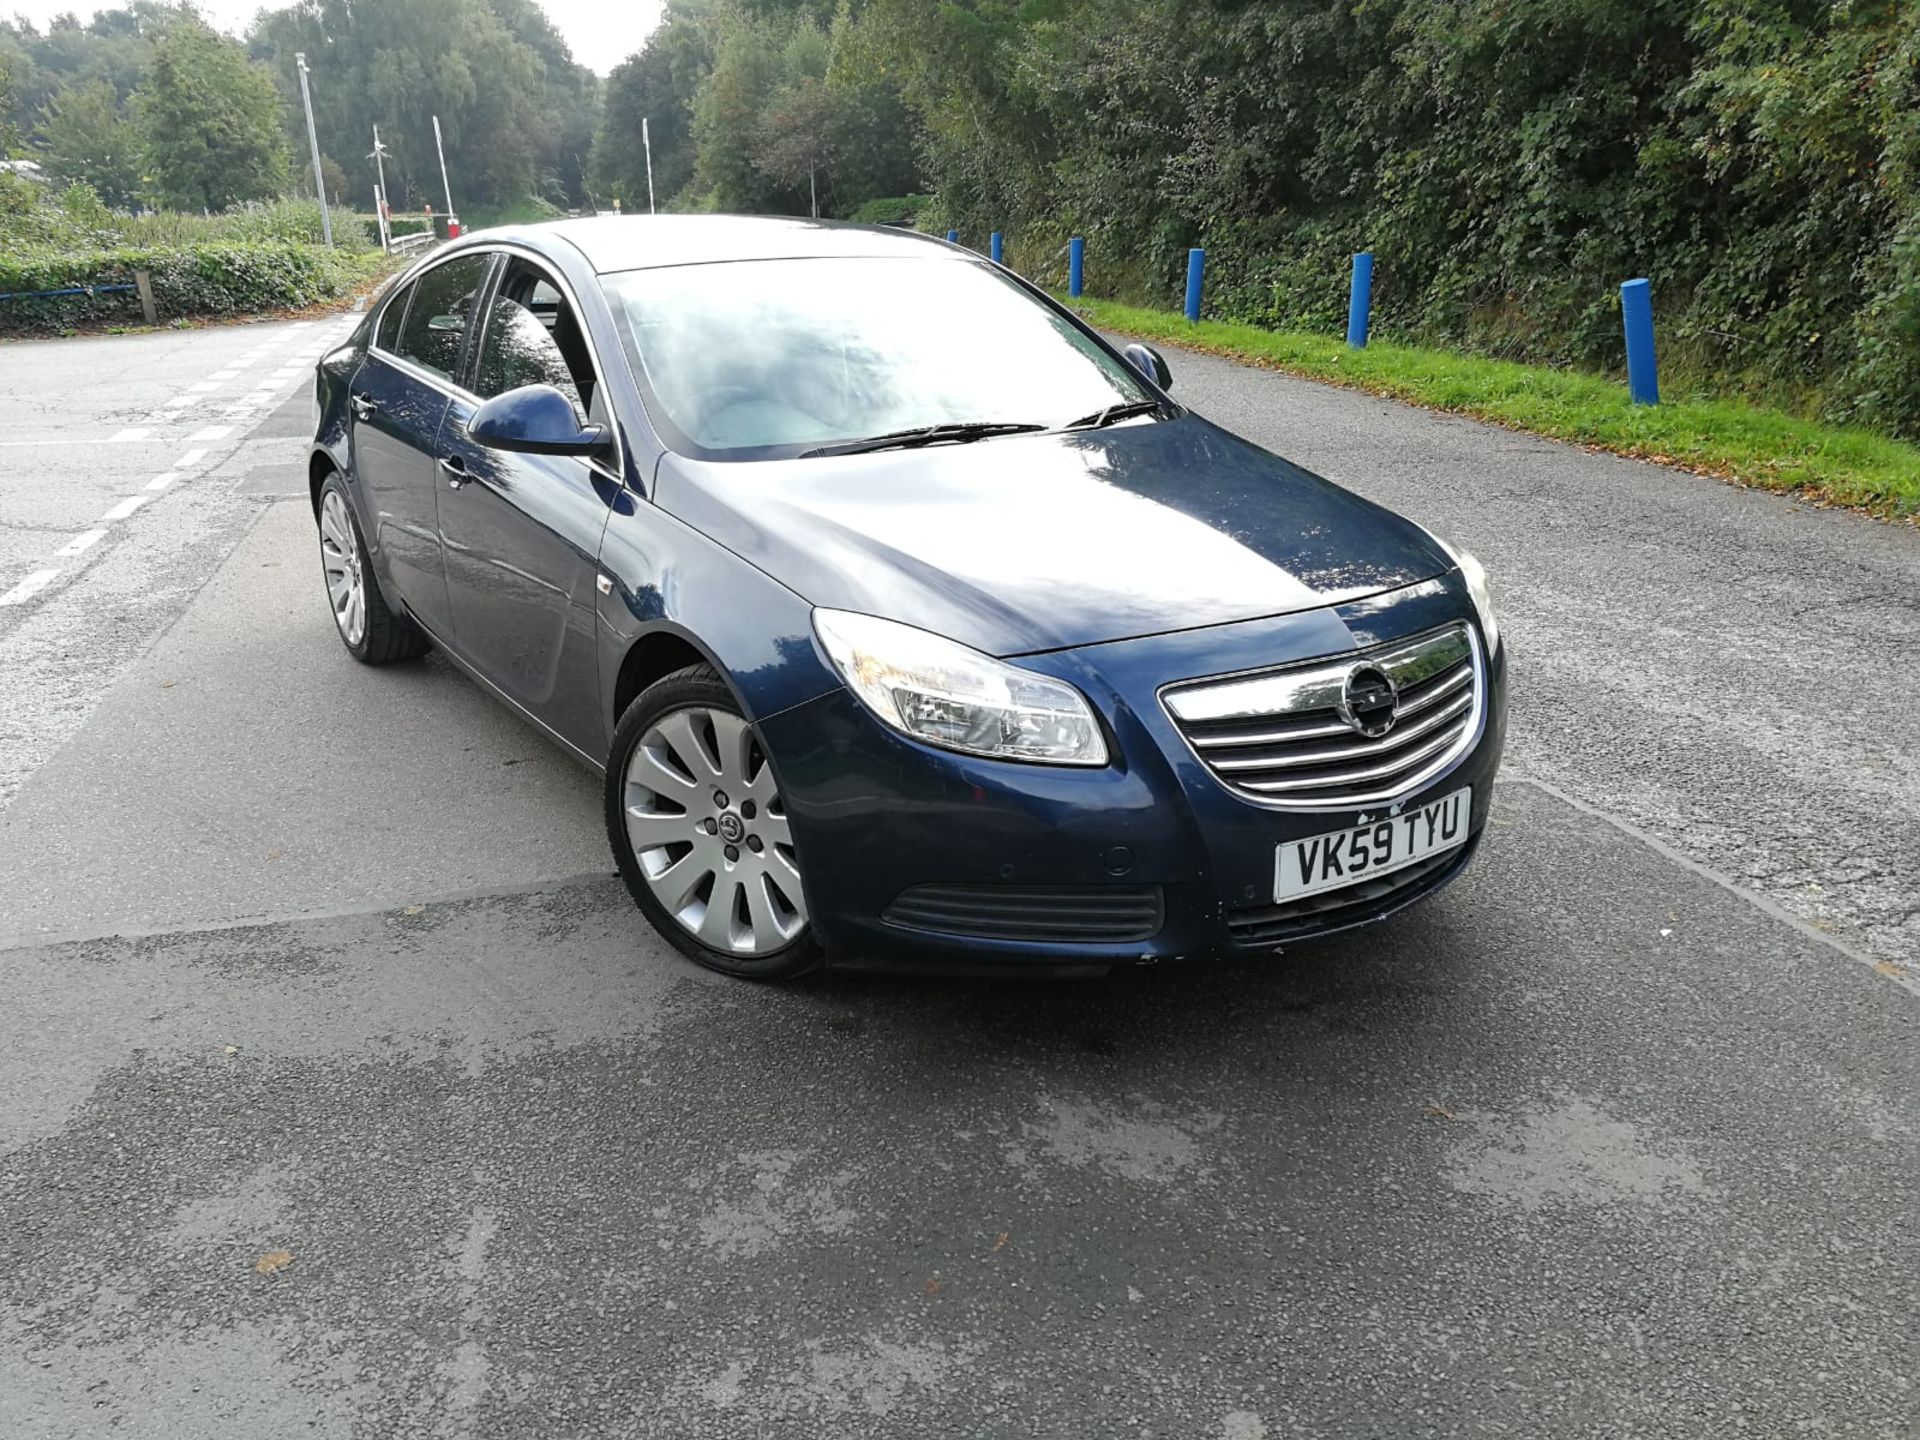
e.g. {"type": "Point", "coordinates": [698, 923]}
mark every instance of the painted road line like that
{"type": "Point", "coordinates": [203, 385]}
{"type": "Point", "coordinates": [81, 542]}
{"type": "Point", "coordinates": [125, 508]}
{"type": "Point", "coordinates": [136, 433]}
{"type": "Point", "coordinates": [192, 457]}
{"type": "Point", "coordinates": [224, 374]}
{"type": "Point", "coordinates": [212, 432]}
{"type": "Point", "coordinates": [161, 481]}
{"type": "Point", "coordinates": [29, 587]}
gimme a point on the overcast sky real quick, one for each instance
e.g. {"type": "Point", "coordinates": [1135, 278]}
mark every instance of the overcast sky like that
{"type": "Point", "coordinates": [601, 33]}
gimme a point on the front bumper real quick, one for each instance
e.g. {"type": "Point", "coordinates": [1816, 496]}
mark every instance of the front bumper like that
{"type": "Point", "coordinates": [904, 846]}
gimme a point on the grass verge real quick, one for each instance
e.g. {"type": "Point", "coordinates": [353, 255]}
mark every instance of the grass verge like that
{"type": "Point", "coordinates": [1745, 444]}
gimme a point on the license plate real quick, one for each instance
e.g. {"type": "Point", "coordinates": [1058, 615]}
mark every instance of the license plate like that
{"type": "Point", "coordinates": [1385, 843]}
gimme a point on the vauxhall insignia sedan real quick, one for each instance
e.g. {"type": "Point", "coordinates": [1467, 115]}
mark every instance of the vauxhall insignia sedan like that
{"type": "Point", "coordinates": [907, 619]}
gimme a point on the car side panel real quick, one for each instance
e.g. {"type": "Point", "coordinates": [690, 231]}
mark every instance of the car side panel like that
{"type": "Point", "coordinates": [666, 576]}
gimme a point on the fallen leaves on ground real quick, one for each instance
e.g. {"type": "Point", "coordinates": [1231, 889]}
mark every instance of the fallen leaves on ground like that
{"type": "Point", "coordinates": [273, 1262]}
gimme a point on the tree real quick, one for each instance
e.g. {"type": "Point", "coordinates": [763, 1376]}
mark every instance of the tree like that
{"type": "Point", "coordinates": [212, 121]}
{"type": "Point", "coordinates": [798, 137]}
{"type": "Point", "coordinates": [659, 85]}
{"type": "Point", "coordinates": [88, 137]}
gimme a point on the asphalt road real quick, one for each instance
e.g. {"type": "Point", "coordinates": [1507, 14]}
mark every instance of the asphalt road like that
{"type": "Point", "coordinates": [1620, 1135]}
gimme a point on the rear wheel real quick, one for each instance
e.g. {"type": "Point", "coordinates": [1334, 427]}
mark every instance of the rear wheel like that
{"type": "Point", "coordinates": [700, 832]}
{"type": "Point", "coordinates": [372, 633]}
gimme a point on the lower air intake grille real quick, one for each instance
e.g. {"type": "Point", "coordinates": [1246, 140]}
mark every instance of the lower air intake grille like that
{"type": "Point", "coordinates": [1089, 914]}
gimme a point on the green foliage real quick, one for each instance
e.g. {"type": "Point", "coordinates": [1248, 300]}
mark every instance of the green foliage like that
{"type": "Point", "coordinates": [894, 210]}
{"type": "Point", "coordinates": [88, 137]}
{"type": "Point", "coordinates": [757, 105]}
{"type": "Point", "coordinates": [212, 122]}
{"type": "Point", "coordinates": [260, 257]}
{"type": "Point", "coordinates": [1726, 438]}
{"type": "Point", "coordinates": [515, 110]}
{"type": "Point", "coordinates": [1508, 162]}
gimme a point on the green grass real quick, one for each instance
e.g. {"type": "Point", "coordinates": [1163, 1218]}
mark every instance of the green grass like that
{"type": "Point", "coordinates": [1835, 464]}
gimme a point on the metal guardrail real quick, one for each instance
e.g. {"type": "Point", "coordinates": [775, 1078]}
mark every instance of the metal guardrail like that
{"type": "Point", "coordinates": [409, 244]}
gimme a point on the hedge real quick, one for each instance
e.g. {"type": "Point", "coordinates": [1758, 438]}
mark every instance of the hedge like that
{"type": "Point", "coordinates": [209, 279]}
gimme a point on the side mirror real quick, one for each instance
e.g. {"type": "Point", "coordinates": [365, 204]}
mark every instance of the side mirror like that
{"type": "Point", "coordinates": [534, 420]}
{"type": "Point", "coordinates": [1150, 363]}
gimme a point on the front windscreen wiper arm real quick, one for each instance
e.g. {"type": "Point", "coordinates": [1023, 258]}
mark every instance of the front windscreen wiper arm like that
{"type": "Point", "coordinates": [1123, 410]}
{"type": "Point", "coordinates": [957, 433]}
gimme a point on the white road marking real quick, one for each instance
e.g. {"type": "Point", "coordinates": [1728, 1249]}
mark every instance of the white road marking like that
{"type": "Point", "coordinates": [201, 385]}
{"type": "Point", "coordinates": [212, 432]}
{"type": "Point", "coordinates": [29, 587]}
{"type": "Point", "coordinates": [192, 457]}
{"type": "Point", "coordinates": [160, 482]}
{"type": "Point", "coordinates": [134, 434]}
{"type": "Point", "coordinates": [81, 542]}
{"type": "Point", "coordinates": [224, 374]}
{"type": "Point", "coordinates": [125, 508]}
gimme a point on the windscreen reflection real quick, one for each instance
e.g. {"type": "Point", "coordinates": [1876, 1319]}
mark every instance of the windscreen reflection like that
{"type": "Point", "coordinates": [751, 358]}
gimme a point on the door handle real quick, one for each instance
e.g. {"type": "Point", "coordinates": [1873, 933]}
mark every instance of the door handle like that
{"type": "Point", "coordinates": [364, 406]}
{"type": "Point", "coordinates": [456, 471]}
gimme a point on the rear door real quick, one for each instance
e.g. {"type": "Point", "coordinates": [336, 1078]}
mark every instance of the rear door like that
{"type": "Point", "coordinates": [522, 532]}
{"type": "Point", "coordinates": [398, 402]}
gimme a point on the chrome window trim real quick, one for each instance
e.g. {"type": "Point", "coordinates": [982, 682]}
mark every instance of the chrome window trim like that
{"type": "Point", "coordinates": [1310, 672]}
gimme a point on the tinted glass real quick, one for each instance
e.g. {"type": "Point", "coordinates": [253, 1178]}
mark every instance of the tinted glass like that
{"type": "Point", "coordinates": [390, 318]}
{"type": "Point", "coordinates": [519, 349]}
{"type": "Point", "coordinates": [748, 358]}
{"type": "Point", "coordinates": [436, 323]}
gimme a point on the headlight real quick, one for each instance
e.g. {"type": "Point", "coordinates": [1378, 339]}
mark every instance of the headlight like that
{"type": "Point", "coordinates": [945, 694]}
{"type": "Point", "coordinates": [1475, 574]}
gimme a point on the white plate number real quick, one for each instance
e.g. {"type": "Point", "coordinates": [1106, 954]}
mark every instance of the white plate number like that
{"type": "Point", "coordinates": [1346, 857]}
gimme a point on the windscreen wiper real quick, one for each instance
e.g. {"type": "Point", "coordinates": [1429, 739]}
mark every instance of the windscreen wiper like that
{"type": "Point", "coordinates": [1123, 410]}
{"type": "Point", "coordinates": [957, 433]}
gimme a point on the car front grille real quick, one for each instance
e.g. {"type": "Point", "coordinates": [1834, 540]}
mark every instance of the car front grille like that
{"type": "Point", "coordinates": [1284, 737]}
{"type": "Point", "coordinates": [1086, 914]}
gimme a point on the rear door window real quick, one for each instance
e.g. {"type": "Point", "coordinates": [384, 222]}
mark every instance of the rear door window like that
{"type": "Point", "coordinates": [435, 330]}
{"type": "Point", "coordinates": [391, 315]}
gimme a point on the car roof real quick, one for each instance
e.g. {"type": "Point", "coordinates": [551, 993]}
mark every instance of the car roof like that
{"type": "Point", "coordinates": [641, 242]}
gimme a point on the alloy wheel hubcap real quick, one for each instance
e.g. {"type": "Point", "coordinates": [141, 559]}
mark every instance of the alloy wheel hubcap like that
{"type": "Point", "coordinates": [340, 558]}
{"type": "Point", "coordinates": [710, 833]}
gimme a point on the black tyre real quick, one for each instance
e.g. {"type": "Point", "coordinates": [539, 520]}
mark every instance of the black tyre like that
{"type": "Point", "coordinates": [372, 633]}
{"type": "Point", "coordinates": [701, 836]}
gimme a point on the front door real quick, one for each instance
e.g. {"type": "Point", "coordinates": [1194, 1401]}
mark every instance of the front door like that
{"type": "Point", "coordinates": [522, 532]}
{"type": "Point", "coordinates": [398, 402]}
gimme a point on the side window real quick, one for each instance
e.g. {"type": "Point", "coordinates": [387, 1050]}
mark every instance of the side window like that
{"type": "Point", "coordinates": [533, 338]}
{"type": "Point", "coordinates": [390, 316]}
{"type": "Point", "coordinates": [436, 323]}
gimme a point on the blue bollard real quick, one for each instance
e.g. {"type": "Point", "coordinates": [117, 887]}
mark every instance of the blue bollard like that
{"type": "Point", "coordinates": [995, 248]}
{"type": "Point", "coordinates": [1636, 314]}
{"type": "Point", "coordinates": [953, 237]}
{"type": "Point", "coordinates": [1360, 301]}
{"type": "Point", "coordinates": [1196, 276]}
{"type": "Point", "coordinates": [1076, 264]}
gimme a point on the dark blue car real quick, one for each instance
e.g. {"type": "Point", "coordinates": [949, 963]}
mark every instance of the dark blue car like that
{"type": "Point", "coordinates": [906, 619]}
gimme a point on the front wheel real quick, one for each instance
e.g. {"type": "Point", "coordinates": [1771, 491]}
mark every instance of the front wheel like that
{"type": "Point", "coordinates": [700, 833]}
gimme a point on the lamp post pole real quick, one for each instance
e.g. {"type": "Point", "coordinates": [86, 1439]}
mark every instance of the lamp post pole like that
{"type": "Point", "coordinates": [440, 150]}
{"type": "Point", "coordinates": [313, 143]}
{"type": "Point", "coordinates": [379, 158]}
{"type": "Point", "coordinates": [646, 139]}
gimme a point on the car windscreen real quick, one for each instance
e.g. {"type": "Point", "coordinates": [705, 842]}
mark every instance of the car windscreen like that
{"type": "Point", "coordinates": [761, 358]}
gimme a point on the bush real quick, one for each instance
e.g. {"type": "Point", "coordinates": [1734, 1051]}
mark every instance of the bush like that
{"type": "Point", "coordinates": [897, 210]}
{"type": "Point", "coordinates": [256, 257]}
{"type": "Point", "coordinates": [214, 279]}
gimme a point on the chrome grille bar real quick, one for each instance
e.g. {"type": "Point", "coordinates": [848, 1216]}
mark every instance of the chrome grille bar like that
{"type": "Point", "coordinates": [1266, 736]}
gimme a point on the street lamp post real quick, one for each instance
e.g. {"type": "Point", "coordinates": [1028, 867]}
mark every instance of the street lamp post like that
{"type": "Point", "coordinates": [313, 142]}
{"type": "Point", "coordinates": [379, 164]}
{"type": "Point", "coordinates": [440, 150]}
{"type": "Point", "coordinates": [646, 140]}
